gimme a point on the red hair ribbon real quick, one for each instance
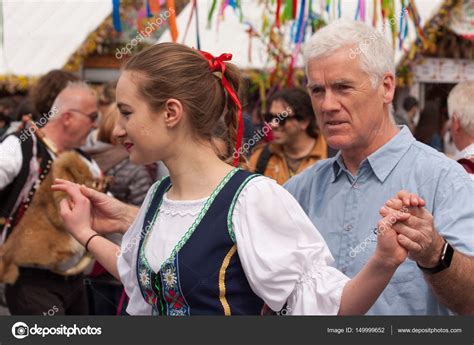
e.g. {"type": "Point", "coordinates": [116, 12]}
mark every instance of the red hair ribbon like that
{"type": "Point", "coordinates": [217, 65]}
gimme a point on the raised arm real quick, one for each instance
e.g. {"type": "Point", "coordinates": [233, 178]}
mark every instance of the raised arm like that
{"type": "Point", "coordinates": [361, 292]}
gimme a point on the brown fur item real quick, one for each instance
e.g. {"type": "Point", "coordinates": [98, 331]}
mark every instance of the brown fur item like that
{"type": "Point", "coordinates": [41, 238]}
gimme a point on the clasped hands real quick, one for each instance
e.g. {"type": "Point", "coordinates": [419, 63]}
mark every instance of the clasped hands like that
{"type": "Point", "coordinates": [406, 218]}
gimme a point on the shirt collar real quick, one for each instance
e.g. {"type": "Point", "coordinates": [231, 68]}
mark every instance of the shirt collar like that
{"type": "Point", "coordinates": [337, 166]}
{"type": "Point", "coordinates": [467, 152]}
{"type": "Point", "coordinates": [385, 158]}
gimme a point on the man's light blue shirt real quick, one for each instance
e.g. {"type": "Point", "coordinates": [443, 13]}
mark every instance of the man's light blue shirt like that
{"type": "Point", "coordinates": [345, 210]}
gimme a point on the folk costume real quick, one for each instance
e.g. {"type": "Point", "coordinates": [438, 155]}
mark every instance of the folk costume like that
{"type": "Point", "coordinates": [247, 245]}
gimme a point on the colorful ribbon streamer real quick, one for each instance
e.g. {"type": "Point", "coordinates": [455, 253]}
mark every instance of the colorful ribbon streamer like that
{"type": "Point", "coordinates": [198, 39]}
{"type": "Point", "coordinates": [155, 7]}
{"type": "Point", "coordinates": [362, 10]}
{"type": "Point", "coordinates": [148, 10]}
{"type": "Point", "coordinates": [211, 13]}
{"type": "Point", "coordinates": [116, 15]}
{"type": "Point", "coordinates": [172, 20]}
{"type": "Point", "coordinates": [277, 14]}
{"type": "Point", "coordinates": [193, 8]}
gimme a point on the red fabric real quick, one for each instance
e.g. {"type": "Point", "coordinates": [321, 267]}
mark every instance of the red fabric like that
{"type": "Point", "coordinates": [277, 14]}
{"type": "Point", "coordinates": [467, 164]}
{"type": "Point", "coordinates": [97, 270]}
{"type": "Point", "coordinates": [217, 65]}
{"type": "Point", "coordinates": [121, 302]}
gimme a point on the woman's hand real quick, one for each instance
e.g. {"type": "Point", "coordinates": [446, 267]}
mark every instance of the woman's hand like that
{"type": "Point", "coordinates": [389, 251]}
{"type": "Point", "coordinates": [396, 211]}
{"type": "Point", "coordinates": [107, 214]}
{"type": "Point", "coordinates": [76, 212]}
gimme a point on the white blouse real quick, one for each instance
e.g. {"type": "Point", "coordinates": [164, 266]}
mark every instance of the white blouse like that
{"type": "Point", "coordinates": [284, 257]}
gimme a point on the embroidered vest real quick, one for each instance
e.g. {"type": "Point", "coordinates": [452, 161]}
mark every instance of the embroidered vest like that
{"type": "Point", "coordinates": [203, 274]}
{"type": "Point", "coordinates": [9, 195]}
{"type": "Point", "coordinates": [10, 215]}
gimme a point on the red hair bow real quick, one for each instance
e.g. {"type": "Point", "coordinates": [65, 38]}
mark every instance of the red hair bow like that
{"type": "Point", "coordinates": [217, 64]}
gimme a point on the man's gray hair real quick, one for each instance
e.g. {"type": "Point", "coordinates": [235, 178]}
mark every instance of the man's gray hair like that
{"type": "Point", "coordinates": [374, 51]}
{"type": "Point", "coordinates": [60, 103]}
{"type": "Point", "coordinates": [461, 103]}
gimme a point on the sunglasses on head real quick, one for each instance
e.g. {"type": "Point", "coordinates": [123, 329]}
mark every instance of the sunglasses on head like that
{"type": "Point", "coordinates": [280, 119]}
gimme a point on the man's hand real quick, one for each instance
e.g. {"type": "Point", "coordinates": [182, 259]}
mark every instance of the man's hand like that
{"type": "Point", "coordinates": [416, 233]}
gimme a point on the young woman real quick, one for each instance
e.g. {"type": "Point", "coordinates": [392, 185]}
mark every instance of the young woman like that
{"type": "Point", "coordinates": [209, 239]}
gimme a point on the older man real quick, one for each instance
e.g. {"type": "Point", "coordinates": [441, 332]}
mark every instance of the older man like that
{"type": "Point", "coordinates": [461, 113]}
{"type": "Point", "coordinates": [25, 159]}
{"type": "Point", "coordinates": [351, 81]}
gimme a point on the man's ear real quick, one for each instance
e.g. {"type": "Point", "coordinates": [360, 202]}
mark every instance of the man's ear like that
{"type": "Point", "coordinates": [455, 125]}
{"type": "Point", "coordinates": [388, 84]}
{"type": "Point", "coordinates": [65, 118]}
{"type": "Point", "coordinates": [173, 112]}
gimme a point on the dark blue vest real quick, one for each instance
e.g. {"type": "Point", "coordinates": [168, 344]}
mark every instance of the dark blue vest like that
{"type": "Point", "coordinates": [203, 274]}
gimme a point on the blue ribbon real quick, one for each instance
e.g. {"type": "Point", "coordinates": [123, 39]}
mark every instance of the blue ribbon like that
{"type": "Point", "coordinates": [300, 22]}
{"type": "Point", "coordinates": [116, 15]}
{"type": "Point", "coordinates": [357, 11]}
{"type": "Point", "coordinates": [148, 10]}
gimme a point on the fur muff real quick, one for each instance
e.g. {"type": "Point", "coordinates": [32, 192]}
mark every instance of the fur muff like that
{"type": "Point", "coordinates": [40, 238]}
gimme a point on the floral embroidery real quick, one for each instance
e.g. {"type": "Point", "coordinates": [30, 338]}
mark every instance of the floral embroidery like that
{"type": "Point", "coordinates": [174, 299]}
{"type": "Point", "coordinates": [144, 278]}
{"type": "Point", "coordinates": [169, 277]}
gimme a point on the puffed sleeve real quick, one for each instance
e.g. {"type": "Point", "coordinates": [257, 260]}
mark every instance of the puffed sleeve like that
{"type": "Point", "coordinates": [284, 257]}
{"type": "Point", "coordinates": [11, 160]}
{"type": "Point", "coordinates": [127, 262]}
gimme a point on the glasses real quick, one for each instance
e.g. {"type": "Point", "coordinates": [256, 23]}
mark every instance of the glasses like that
{"type": "Point", "coordinates": [92, 117]}
{"type": "Point", "coordinates": [279, 119]}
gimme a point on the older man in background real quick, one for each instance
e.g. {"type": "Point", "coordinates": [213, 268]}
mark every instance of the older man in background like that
{"type": "Point", "coordinates": [25, 160]}
{"type": "Point", "coordinates": [351, 81]}
{"type": "Point", "coordinates": [461, 113]}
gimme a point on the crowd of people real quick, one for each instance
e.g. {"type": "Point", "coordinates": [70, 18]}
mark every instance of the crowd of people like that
{"type": "Point", "coordinates": [344, 206]}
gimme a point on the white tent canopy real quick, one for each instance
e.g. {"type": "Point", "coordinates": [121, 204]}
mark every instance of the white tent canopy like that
{"type": "Point", "coordinates": [41, 35]}
{"type": "Point", "coordinates": [231, 36]}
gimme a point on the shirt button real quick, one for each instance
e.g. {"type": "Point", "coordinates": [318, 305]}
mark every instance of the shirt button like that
{"type": "Point", "coordinates": [348, 227]}
{"type": "Point", "coordinates": [356, 186]}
